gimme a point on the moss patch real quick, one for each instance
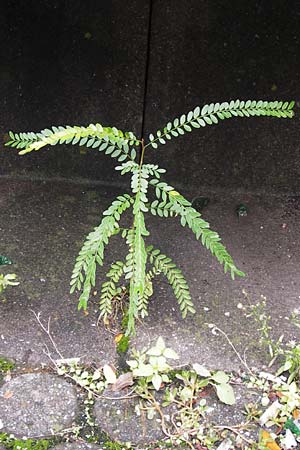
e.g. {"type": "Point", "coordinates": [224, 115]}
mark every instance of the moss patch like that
{"type": "Point", "coordinates": [24, 444]}
{"type": "Point", "coordinates": [6, 365]}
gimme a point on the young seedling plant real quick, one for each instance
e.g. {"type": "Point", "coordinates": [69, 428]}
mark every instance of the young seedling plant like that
{"type": "Point", "coordinates": [10, 278]}
{"type": "Point", "coordinates": [143, 262]}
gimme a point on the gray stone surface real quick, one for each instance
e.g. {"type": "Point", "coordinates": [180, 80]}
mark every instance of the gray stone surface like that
{"type": "Point", "coordinates": [221, 414]}
{"type": "Point", "coordinates": [118, 418]}
{"type": "Point", "coordinates": [36, 405]}
{"type": "Point", "coordinates": [76, 446]}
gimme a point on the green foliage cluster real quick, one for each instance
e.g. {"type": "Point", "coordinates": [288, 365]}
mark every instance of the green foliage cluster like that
{"type": "Point", "coordinates": [13, 443]}
{"type": "Point", "coordinates": [143, 262]}
{"type": "Point", "coordinates": [10, 278]}
{"type": "Point", "coordinates": [6, 365]}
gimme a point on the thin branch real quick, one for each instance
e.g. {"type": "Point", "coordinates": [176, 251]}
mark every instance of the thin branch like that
{"type": "Point", "coordinates": [47, 331]}
{"type": "Point", "coordinates": [234, 429]}
{"type": "Point", "coordinates": [234, 349]}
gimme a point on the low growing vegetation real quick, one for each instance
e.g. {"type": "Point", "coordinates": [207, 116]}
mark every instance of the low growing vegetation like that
{"type": "Point", "coordinates": [149, 195]}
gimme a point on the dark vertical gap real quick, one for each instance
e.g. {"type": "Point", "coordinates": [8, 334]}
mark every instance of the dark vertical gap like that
{"type": "Point", "coordinates": [147, 67]}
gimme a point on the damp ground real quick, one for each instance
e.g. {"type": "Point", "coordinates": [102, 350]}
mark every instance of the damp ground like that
{"type": "Point", "coordinates": [43, 225]}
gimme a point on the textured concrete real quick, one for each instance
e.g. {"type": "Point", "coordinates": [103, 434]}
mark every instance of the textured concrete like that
{"type": "Point", "coordinates": [43, 227]}
{"type": "Point", "coordinates": [118, 418]}
{"type": "Point", "coordinates": [70, 63]}
{"type": "Point", "coordinates": [86, 62]}
{"type": "Point", "coordinates": [212, 52]}
{"type": "Point", "coordinates": [37, 405]}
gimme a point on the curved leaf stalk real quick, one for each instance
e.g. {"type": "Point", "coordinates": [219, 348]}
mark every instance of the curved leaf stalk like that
{"type": "Point", "coordinates": [164, 264]}
{"type": "Point", "coordinates": [111, 140]}
{"type": "Point", "coordinates": [212, 113]}
{"type": "Point", "coordinates": [109, 289]}
{"type": "Point", "coordinates": [92, 252]}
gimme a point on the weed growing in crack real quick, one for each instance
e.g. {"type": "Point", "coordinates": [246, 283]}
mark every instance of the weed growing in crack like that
{"type": "Point", "coordinates": [291, 365]}
{"type": "Point", "coordinates": [143, 262]}
{"type": "Point", "coordinates": [6, 365]}
{"type": "Point", "coordinates": [12, 443]}
{"type": "Point", "coordinates": [258, 312]}
{"type": "Point", "coordinates": [10, 279]}
{"type": "Point", "coordinates": [288, 351]}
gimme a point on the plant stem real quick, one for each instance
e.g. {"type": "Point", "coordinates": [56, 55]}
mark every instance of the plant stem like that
{"type": "Point", "coordinates": [234, 349]}
{"type": "Point", "coordinates": [234, 429]}
{"type": "Point", "coordinates": [142, 154]}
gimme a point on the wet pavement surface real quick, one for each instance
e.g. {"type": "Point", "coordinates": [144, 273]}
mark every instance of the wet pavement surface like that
{"type": "Point", "coordinates": [43, 225]}
{"type": "Point", "coordinates": [42, 228]}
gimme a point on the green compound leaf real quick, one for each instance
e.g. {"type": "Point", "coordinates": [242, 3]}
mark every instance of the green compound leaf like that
{"type": "Point", "coordinates": [138, 261]}
{"type": "Point", "coordinates": [180, 206]}
{"type": "Point", "coordinates": [211, 113]}
{"type": "Point", "coordinates": [109, 289]}
{"type": "Point", "coordinates": [92, 252]}
{"type": "Point", "coordinates": [175, 277]}
{"type": "Point", "coordinates": [111, 140]}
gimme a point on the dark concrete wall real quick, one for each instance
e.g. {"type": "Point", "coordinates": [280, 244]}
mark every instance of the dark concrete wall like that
{"type": "Point", "coordinates": [70, 62]}
{"type": "Point", "coordinates": [209, 51]}
{"type": "Point", "coordinates": [73, 62]}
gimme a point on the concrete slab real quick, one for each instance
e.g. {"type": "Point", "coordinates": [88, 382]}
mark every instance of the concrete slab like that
{"type": "Point", "coordinates": [43, 225]}
{"type": "Point", "coordinates": [212, 52]}
{"type": "Point", "coordinates": [37, 405]}
{"type": "Point", "coordinates": [119, 419]}
{"type": "Point", "coordinates": [84, 56]}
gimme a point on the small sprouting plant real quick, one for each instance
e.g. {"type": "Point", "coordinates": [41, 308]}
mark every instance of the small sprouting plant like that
{"type": "Point", "coordinates": [219, 380]}
{"type": "Point", "coordinates": [151, 365]}
{"type": "Point", "coordinates": [160, 386]}
{"type": "Point", "coordinates": [258, 312]}
{"type": "Point", "coordinates": [93, 380]}
{"type": "Point", "coordinates": [10, 278]}
{"type": "Point", "coordinates": [143, 261]}
{"type": "Point", "coordinates": [292, 362]}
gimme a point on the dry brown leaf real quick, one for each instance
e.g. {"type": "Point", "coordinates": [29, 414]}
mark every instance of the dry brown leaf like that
{"type": "Point", "coordinates": [8, 394]}
{"type": "Point", "coordinates": [123, 381]}
{"type": "Point", "coordinates": [118, 337]}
